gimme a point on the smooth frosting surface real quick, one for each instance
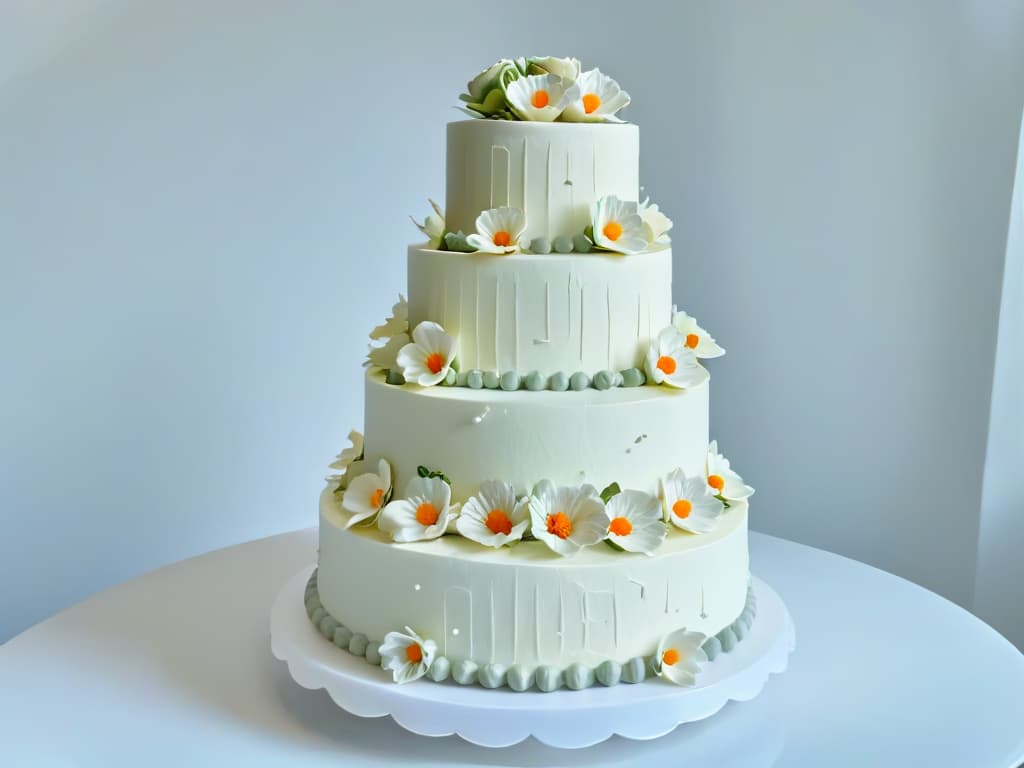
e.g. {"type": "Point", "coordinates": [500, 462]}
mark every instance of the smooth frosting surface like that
{"type": "Point", "coordinates": [552, 171]}
{"type": "Point", "coordinates": [631, 436]}
{"type": "Point", "coordinates": [547, 312]}
{"type": "Point", "coordinates": [526, 605]}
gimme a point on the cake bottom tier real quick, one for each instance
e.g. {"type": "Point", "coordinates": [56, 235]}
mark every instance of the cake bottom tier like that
{"type": "Point", "coordinates": [525, 605]}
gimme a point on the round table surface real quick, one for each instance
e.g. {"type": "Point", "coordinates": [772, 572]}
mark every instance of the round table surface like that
{"type": "Point", "coordinates": [174, 668]}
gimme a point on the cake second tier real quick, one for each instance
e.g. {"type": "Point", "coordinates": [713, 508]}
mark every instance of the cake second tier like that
{"type": "Point", "coordinates": [631, 436]}
{"type": "Point", "coordinates": [544, 312]}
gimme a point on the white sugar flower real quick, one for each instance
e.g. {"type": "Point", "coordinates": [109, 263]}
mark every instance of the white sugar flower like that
{"type": "Point", "coordinates": [540, 98]}
{"type": "Point", "coordinates": [386, 356]}
{"type": "Point", "coordinates": [670, 361]}
{"type": "Point", "coordinates": [397, 323]}
{"type": "Point", "coordinates": [428, 357]}
{"type": "Point", "coordinates": [594, 98]}
{"type": "Point", "coordinates": [656, 223]}
{"type": "Point", "coordinates": [689, 503]}
{"type": "Point", "coordinates": [423, 514]}
{"type": "Point", "coordinates": [617, 225]}
{"type": "Point", "coordinates": [348, 455]}
{"type": "Point", "coordinates": [567, 519]}
{"type": "Point", "coordinates": [567, 69]}
{"type": "Point", "coordinates": [696, 338]}
{"type": "Point", "coordinates": [498, 230]}
{"type": "Point", "coordinates": [679, 656]}
{"type": "Point", "coordinates": [636, 524]}
{"type": "Point", "coordinates": [725, 482]}
{"type": "Point", "coordinates": [367, 494]}
{"type": "Point", "coordinates": [407, 655]}
{"type": "Point", "coordinates": [433, 226]}
{"type": "Point", "coordinates": [492, 517]}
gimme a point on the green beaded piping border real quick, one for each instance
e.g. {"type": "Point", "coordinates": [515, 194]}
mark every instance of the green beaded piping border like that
{"type": "Point", "coordinates": [517, 677]}
{"type": "Point", "coordinates": [535, 381]}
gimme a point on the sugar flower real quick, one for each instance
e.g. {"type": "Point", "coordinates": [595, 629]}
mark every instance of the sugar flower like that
{"type": "Point", "coordinates": [386, 356]}
{"type": "Point", "coordinates": [428, 357]}
{"type": "Point", "coordinates": [725, 482]}
{"type": "Point", "coordinates": [636, 524]}
{"type": "Point", "coordinates": [679, 656]}
{"type": "Point", "coordinates": [656, 223]}
{"type": "Point", "coordinates": [670, 361]}
{"type": "Point", "coordinates": [493, 517]}
{"type": "Point", "coordinates": [689, 503]}
{"type": "Point", "coordinates": [344, 459]}
{"type": "Point", "coordinates": [567, 69]}
{"type": "Point", "coordinates": [617, 225]}
{"type": "Point", "coordinates": [594, 98]}
{"type": "Point", "coordinates": [540, 98]}
{"type": "Point", "coordinates": [367, 494]}
{"type": "Point", "coordinates": [397, 323]}
{"type": "Point", "coordinates": [696, 338]}
{"type": "Point", "coordinates": [433, 226]}
{"type": "Point", "coordinates": [407, 655]}
{"type": "Point", "coordinates": [423, 514]}
{"type": "Point", "coordinates": [486, 92]}
{"type": "Point", "coordinates": [567, 519]}
{"type": "Point", "coordinates": [498, 230]}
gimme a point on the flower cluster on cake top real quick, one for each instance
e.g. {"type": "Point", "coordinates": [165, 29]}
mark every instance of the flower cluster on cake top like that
{"type": "Point", "coordinates": [544, 89]}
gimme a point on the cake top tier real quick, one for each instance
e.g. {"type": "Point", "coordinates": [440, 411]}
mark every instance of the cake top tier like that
{"type": "Point", "coordinates": [544, 89]}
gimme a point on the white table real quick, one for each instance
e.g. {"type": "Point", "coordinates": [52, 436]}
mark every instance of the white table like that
{"type": "Point", "coordinates": [174, 668]}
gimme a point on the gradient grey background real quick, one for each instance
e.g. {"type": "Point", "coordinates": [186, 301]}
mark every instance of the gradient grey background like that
{"type": "Point", "coordinates": [203, 211]}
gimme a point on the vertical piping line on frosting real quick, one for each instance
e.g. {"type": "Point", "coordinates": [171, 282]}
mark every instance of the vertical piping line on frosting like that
{"type": "Point", "coordinates": [547, 195]}
{"type": "Point", "coordinates": [444, 307]}
{"type": "Point", "coordinates": [608, 294]}
{"type": "Point", "coordinates": [547, 310]}
{"type": "Point", "coordinates": [585, 618]}
{"type": "Point", "coordinates": [639, 312]}
{"type": "Point", "coordinates": [493, 638]}
{"type": "Point", "coordinates": [536, 620]}
{"type": "Point", "coordinates": [476, 315]}
{"type": "Point", "coordinates": [515, 321]}
{"type": "Point", "coordinates": [525, 189]}
{"type": "Point", "coordinates": [568, 308]}
{"type": "Point", "coordinates": [515, 616]}
{"type": "Point", "coordinates": [497, 313]}
{"type": "Point", "coordinates": [593, 172]}
{"type": "Point", "coordinates": [615, 617]}
{"type": "Point", "coordinates": [500, 161]}
{"type": "Point", "coordinates": [582, 323]}
{"type": "Point", "coordinates": [569, 180]}
{"type": "Point", "coordinates": [561, 621]}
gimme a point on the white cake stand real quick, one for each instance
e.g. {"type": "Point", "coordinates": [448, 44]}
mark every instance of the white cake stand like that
{"type": "Point", "coordinates": [499, 718]}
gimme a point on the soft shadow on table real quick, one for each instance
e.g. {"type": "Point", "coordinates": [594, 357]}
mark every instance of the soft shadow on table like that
{"type": "Point", "coordinates": [743, 734]}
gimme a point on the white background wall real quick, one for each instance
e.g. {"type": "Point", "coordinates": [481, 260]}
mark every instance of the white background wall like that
{"type": "Point", "coordinates": [203, 211]}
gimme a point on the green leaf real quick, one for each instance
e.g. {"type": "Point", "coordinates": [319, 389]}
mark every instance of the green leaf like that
{"type": "Point", "coordinates": [422, 471]}
{"type": "Point", "coordinates": [609, 492]}
{"type": "Point", "coordinates": [613, 545]}
{"type": "Point", "coordinates": [493, 101]}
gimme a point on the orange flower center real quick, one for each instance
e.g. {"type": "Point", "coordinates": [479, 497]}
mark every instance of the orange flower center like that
{"type": "Point", "coordinates": [540, 99]}
{"type": "Point", "coordinates": [560, 525]}
{"type": "Point", "coordinates": [427, 514]}
{"type": "Point", "coordinates": [591, 101]}
{"type": "Point", "coordinates": [666, 364]}
{"type": "Point", "coordinates": [612, 230]}
{"type": "Point", "coordinates": [435, 362]}
{"type": "Point", "coordinates": [692, 340]}
{"type": "Point", "coordinates": [620, 526]}
{"type": "Point", "coordinates": [716, 482]}
{"type": "Point", "coordinates": [498, 522]}
{"type": "Point", "coordinates": [502, 238]}
{"type": "Point", "coordinates": [670, 657]}
{"type": "Point", "coordinates": [414, 653]}
{"type": "Point", "coordinates": [682, 508]}
{"type": "Point", "coordinates": [376, 498]}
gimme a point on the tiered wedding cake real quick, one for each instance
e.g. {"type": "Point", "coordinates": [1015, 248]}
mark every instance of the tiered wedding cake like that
{"type": "Point", "coordinates": [535, 503]}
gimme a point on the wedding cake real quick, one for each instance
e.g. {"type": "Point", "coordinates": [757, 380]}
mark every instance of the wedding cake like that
{"type": "Point", "coordinates": [535, 503]}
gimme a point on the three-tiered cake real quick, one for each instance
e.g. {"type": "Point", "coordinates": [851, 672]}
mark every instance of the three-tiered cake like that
{"type": "Point", "coordinates": [536, 503]}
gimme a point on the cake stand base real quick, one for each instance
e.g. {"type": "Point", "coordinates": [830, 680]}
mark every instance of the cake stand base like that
{"type": "Point", "coordinates": [564, 718]}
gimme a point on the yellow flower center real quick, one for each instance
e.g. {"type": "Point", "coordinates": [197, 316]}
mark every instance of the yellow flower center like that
{"type": "Point", "coordinates": [498, 522]}
{"type": "Point", "coordinates": [666, 364]}
{"type": "Point", "coordinates": [716, 482]}
{"type": "Point", "coordinates": [670, 657]}
{"type": "Point", "coordinates": [559, 525]}
{"type": "Point", "coordinates": [682, 508]}
{"type": "Point", "coordinates": [540, 99]}
{"type": "Point", "coordinates": [612, 230]}
{"type": "Point", "coordinates": [427, 514]}
{"type": "Point", "coordinates": [591, 101]}
{"type": "Point", "coordinates": [502, 238]}
{"type": "Point", "coordinates": [414, 653]}
{"type": "Point", "coordinates": [376, 498]}
{"type": "Point", "coordinates": [692, 340]}
{"type": "Point", "coordinates": [620, 526]}
{"type": "Point", "coordinates": [435, 362]}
